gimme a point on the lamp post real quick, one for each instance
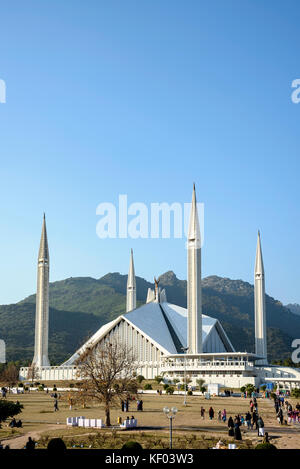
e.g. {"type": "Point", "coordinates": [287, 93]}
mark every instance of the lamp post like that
{"type": "Point", "coordinates": [185, 349]}
{"type": "Point", "coordinates": [170, 413]}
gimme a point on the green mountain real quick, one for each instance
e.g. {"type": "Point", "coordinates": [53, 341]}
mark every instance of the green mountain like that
{"type": "Point", "coordinates": [79, 306]}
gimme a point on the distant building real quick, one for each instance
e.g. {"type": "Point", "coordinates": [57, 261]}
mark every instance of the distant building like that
{"type": "Point", "coordinates": [173, 341]}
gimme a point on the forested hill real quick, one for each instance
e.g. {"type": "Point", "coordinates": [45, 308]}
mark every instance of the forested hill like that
{"type": "Point", "coordinates": [80, 305]}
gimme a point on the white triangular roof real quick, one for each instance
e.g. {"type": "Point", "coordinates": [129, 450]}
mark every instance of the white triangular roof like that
{"type": "Point", "coordinates": [165, 325]}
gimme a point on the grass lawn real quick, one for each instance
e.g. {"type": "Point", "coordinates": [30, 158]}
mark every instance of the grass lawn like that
{"type": "Point", "coordinates": [190, 431]}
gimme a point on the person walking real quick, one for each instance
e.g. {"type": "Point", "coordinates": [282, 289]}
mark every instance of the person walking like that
{"type": "Point", "coordinates": [280, 416]}
{"type": "Point", "coordinates": [248, 420]}
{"type": "Point", "coordinates": [56, 405]}
{"type": "Point", "coordinates": [254, 420]}
{"type": "Point", "coordinates": [251, 407]}
{"type": "Point", "coordinates": [230, 427]}
{"type": "Point", "coordinates": [202, 413]}
{"type": "Point", "coordinates": [260, 425]}
{"type": "Point", "coordinates": [237, 431]}
{"type": "Point", "coordinates": [126, 405]}
{"type": "Point", "coordinates": [211, 413]}
{"type": "Point", "coordinates": [224, 415]}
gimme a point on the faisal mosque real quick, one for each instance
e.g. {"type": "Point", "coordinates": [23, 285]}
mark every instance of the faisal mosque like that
{"type": "Point", "coordinates": [169, 340]}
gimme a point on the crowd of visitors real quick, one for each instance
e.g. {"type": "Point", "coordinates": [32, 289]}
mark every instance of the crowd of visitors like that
{"type": "Point", "coordinates": [285, 412]}
{"type": "Point", "coordinates": [252, 420]}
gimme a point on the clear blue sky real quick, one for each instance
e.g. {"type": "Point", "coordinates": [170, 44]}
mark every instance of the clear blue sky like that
{"type": "Point", "coordinates": [143, 98]}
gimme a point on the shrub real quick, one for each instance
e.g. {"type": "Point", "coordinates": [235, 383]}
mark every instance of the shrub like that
{"type": "Point", "coordinates": [56, 445]}
{"type": "Point", "coordinates": [265, 446]}
{"type": "Point", "coordinates": [20, 385]}
{"type": "Point", "coordinates": [140, 378]}
{"type": "Point", "coordinates": [166, 386]}
{"type": "Point", "coordinates": [295, 393]}
{"type": "Point", "coordinates": [37, 383]}
{"type": "Point", "coordinates": [41, 388]}
{"type": "Point", "coordinates": [147, 386]}
{"type": "Point", "coordinates": [132, 446]}
{"type": "Point", "coordinates": [71, 385]}
{"type": "Point", "coordinates": [170, 390]}
{"type": "Point", "coordinates": [158, 379]}
{"type": "Point", "coordinates": [190, 393]}
{"type": "Point", "coordinates": [9, 409]}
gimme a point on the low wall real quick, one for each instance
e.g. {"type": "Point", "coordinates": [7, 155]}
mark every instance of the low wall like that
{"type": "Point", "coordinates": [50, 373]}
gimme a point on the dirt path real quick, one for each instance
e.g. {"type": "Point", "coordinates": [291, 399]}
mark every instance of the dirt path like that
{"type": "Point", "coordinates": [20, 441]}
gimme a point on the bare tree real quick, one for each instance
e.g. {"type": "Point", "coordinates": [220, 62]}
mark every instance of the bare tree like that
{"type": "Point", "coordinates": [107, 371]}
{"type": "Point", "coordinates": [79, 396]}
{"type": "Point", "coordinates": [10, 375]}
{"type": "Point", "coordinates": [32, 372]}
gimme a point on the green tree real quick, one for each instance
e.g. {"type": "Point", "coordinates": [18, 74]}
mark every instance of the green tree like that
{"type": "Point", "coordinates": [200, 383]}
{"type": "Point", "coordinates": [249, 388]}
{"type": "Point", "coordinates": [158, 379]}
{"type": "Point", "coordinates": [9, 409]}
{"type": "Point", "coordinates": [140, 378]}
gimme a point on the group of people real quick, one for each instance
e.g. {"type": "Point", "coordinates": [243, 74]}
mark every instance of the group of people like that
{"type": "Point", "coordinates": [293, 413]}
{"type": "Point", "coordinates": [15, 424]}
{"type": "Point", "coordinates": [222, 415]}
{"type": "Point", "coordinates": [125, 405]}
{"type": "Point", "coordinates": [284, 407]}
{"type": "Point", "coordinates": [252, 420]}
{"type": "Point", "coordinates": [234, 427]}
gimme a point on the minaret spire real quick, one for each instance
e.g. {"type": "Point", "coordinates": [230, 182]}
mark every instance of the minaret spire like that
{"type": "Point", "coordinates": [131, 286]}
{"type": "Point", "coordinates": [42, 303]}
{"type": "Point", "coordinates": [194, 294]}
{"type": "Point", "coordinates": [260, 305]}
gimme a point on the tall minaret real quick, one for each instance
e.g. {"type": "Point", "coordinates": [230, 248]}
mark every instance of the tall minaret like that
{"type": "Point", "coordinates": [260, 305]}
{"type": "Point", "coordinates": [194, 294]}
{"type": "Point", "coordinates": [131, 287]}
{"type": "Point", "coordinates": [42, 303]}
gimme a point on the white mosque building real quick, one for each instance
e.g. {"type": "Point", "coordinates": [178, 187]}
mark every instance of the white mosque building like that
{"type": "Point", "coordinates": [167, 339]}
